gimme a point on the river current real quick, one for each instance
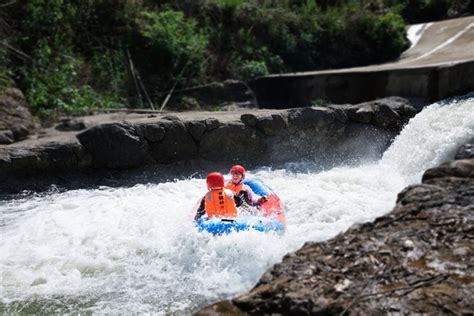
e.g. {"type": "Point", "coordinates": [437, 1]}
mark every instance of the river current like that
{"type": "Point", "coordinates": [135, 249]}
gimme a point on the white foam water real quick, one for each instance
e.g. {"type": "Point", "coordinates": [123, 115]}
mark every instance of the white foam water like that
{"type": "Point", "coordinates": [124, 250]}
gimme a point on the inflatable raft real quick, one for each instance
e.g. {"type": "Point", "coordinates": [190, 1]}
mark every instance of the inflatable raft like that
{"type": "Point", "coordinates": [268, 217]}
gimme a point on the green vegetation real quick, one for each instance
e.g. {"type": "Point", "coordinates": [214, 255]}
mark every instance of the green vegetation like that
{"type": "Point", "coordinates": [73, 56]}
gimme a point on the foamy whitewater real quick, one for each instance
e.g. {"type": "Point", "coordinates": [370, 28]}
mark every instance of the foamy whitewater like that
{"type": "Point", "coordinates": [123, 250]}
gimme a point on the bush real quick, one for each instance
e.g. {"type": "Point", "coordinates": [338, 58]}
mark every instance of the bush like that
{"type": "Point", "coordinates": [51, 84]}
{"type": "Point", "coordinates": [387, 33]}
{"type": "Point", "coordinates": [5, 72]}
{"type": "Point", "coordinates": [420, 11]}
{"type": "Point", "coordinates": [252, 69]}
{"type": "Point", "coordinates": [178, 47]}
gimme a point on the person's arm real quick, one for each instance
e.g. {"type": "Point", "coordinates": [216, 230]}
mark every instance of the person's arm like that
{"type": "Point", "coordinates": [253, 199]}
{"type": "Point", "coordinates": [201, 210]}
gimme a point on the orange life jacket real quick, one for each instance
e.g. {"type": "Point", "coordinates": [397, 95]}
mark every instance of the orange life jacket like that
{"type": "Point", "coordinates": [236, 188]}
{"type": "Point", "coordinates": [220, 203]}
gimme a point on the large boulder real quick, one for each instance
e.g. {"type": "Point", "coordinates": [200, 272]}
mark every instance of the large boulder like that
{"type": "Point", "coordinates": [114, 145]}
{"type": "Point", "coordinates": [50, 157]}
{"type": "Point", "coordinates": [6, 137]}
{"type": "Point", "coordinates": [390, 113]}
{"type": "Point", "coordinates": [14, 114]}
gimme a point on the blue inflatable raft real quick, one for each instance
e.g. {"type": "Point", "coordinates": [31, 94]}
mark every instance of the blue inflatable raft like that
{"type": "Point", "coordinates": [270, 216]}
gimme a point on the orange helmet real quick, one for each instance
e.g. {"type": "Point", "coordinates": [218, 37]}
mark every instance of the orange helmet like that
{"type": "Point", "coordinates": [239, 169]}
{"type": "Point", "coordinates": [215, 180]}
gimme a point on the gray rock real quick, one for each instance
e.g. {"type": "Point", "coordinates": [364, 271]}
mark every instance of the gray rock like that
{"type": "Point", "coordinates": [197, 129]}
{"type": "Point", "coordinates": [212, 123]}
{"type": "Point", "coordinates": [232, 142]}
{"type": "Point", "coordinates": [20, 132]}
{"type": "Point", "coordinates": [6, 137]}
{"type": "Point", "coordinates": [14, 110]}
{"type": "Point", "coordinates": [310, 117]}
{"type": "Point", "coordinates": [249, 119]}
{"type": "Point", "coordinates": [385, 117]}
{"type": "Point", "coordinates": [339, 112]}
{"type": "Point", "coordinates": [463, 168]}
{"type": "Point", "coordinates": [68, 125]}
{"type": "Point", "coordinates": [115, 145]}
{"type": "Point", "coordinates": [271, 125]}
{"type": "Point", "coordinates": [153, 132]}
{"type": "Point", "coordinates": [176, 145]}
{"type": "Point", "coordinates": [363, 115]}
{"type": "Point", "coordinates": [50, 157]}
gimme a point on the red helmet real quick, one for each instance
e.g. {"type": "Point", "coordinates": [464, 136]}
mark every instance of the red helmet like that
{"type": "Point", "coordinates": [215, 180]}
{"type": "Point", "coordinates": [239, 169]}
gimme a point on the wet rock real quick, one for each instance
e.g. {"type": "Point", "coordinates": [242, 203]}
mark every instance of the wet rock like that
{"type": "Point", "coordinates": [176, 145]}
{"type": "Point", "coordinates": [339, 113]}
{"type": "Point", "coordinates": [232, 142]}
{"type": "Point", "coordinates": [363, 114]}
{"type": "Point", "coordinates": [402, 106]}
{"type": "Point", "coordinates": [249, 119]}
{"type": "Point", "coordinates": [67, 125]}
{"type": "Point", "coordinates": [211, 124]}
{"type": "Point", "coordinates": [459, 168]}
{"type": "Point", "coordinates": [466, 151]}
{"type": "Point", "coordinates": [115, 145]}
{"type": "Point", "coordinates": [385, 117]}
{"type": "Point", "coordinates": [310, 117]}
{"type": "Point", "coordinates": [51, 157]}
{"type": "Point", "coordinates": [197, 129]}
{"type": "Point", "coordinates": [6, 137]}
{"type": "Point", "coordinates": [152, 132]}
{"type": "Point", "coordinates": [271, 125]}
{"type": "Point", "coordinates": [391, 112]}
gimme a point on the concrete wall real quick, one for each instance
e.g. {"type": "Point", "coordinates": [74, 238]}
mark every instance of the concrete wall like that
{"type": "Point", "coordinates": [428, 82]}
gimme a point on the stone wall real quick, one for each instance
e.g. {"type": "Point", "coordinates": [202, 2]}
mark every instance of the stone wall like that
{"type": "Point", "coordinates": [330, 136]}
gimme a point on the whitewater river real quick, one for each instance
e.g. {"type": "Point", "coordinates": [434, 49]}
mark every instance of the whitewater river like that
{"type": "Point", "coordinates": [135, 249]}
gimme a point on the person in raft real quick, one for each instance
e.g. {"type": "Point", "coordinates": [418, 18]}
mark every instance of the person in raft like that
{"type": "Point", "coordinates": [218, 202]}
{"type": "Point", "coordinates": [242, 190]}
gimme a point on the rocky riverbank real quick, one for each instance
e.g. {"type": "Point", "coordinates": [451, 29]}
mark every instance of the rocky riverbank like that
{"type": "Point", "coordinates": [416, 259]}
{"type": "Point", "coordinates": [119, 141]}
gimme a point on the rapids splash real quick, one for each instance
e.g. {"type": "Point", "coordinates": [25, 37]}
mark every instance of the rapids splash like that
{"type": "Point", "coordinates": [123, 250]}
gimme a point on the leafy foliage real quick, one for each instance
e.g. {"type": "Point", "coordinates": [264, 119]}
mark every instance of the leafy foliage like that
{"type": "Point", "coordinates": [71, 56]}
{"type": "Point", "coordinates": [177, 45]}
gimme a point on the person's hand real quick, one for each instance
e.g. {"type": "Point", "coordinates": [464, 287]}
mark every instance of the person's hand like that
{"type": "Point", "coordinates": [262, 199]}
